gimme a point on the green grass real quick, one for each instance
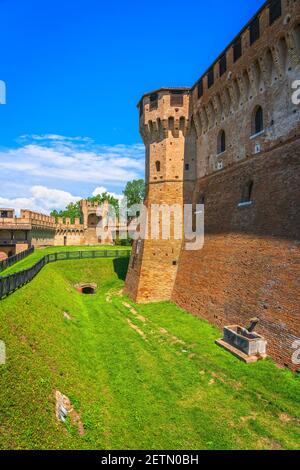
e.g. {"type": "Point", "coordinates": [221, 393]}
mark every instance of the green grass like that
{"type": "Point", "coordinates": [172, 388]}
{"type": "Point", "coordinates": [40, 252]}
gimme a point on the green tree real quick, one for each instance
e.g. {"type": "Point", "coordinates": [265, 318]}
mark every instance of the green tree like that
{"type": "Point", "coordinates": [72, 210]}
{"type": "Point", "coordinates": [101, 198]}
{"type": "Point", "coordinates": [135, 192]}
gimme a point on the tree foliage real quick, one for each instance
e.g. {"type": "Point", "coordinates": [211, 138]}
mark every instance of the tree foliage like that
{"type": "Point", "coordinates": [72, 210]}
{"type": "Point", "coordinates": [135, 192]}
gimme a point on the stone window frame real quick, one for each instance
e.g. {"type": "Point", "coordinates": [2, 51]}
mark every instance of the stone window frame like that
{"type": "Point", "coordinates": [176, 99]}
{"type": "Point", "coordinates": [153, 101]}
{"type": "Point", "coordinates": [247, 193]}
{"type": "Point", "coordinates": [255, 129]}
{"type": "Point", "coordinates": [221, 142]}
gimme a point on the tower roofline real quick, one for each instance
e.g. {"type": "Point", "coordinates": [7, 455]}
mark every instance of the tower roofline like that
{"type": "Point", "coordinates": [158, 90]}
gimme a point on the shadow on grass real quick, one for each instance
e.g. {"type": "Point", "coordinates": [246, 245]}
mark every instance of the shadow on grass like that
{"type": "Point", "coordinates": [121, 267]}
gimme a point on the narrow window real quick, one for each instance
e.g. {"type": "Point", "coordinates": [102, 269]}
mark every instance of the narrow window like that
{"type": "Point", "coordinates": [237, 50]}
{"type": "Point", "coordinates": [187, 167]}
{"type": "Point", "coordinates": [221, 142]}
{"type": "Point", "coordinates": [275, 10]}
{"type": "Point", "coordinates": [254, 30]}
{"type": "Point", "coordinates": [247, 192]}
{"type": "Point", "coordinates": [210, 78]}
{"type": "Point", "coordinates": [157, 164]}
{"type": "Point", "coordinates": [257, 121]}
{"type": "Point", "coordinates": [153, 101]}
{"type": "Point", "coordinates": [223, 65]}
{"type": "Point", "coordinates": [200, 88]}
{"type": "Point", "coordinates": [176, 98]}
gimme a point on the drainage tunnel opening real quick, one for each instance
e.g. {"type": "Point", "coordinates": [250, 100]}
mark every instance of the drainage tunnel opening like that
{"type": "Point", "coordinates": [88, 290]}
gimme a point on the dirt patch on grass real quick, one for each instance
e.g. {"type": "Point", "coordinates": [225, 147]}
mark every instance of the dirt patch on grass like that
{"type": "Point", "coordinates": [251, 417]}
{"type": "Point", "coordinates": [134, 312]}
{"type": "Point", "coordinates": [172, 338]}
{"type": "Point", "coordinates": [136, 328]}
{"type": "Point", "coordinates": [110, 293]}
{"type": "Point", "coordinates": [272, 444]}
{"type": "Point", "coordinates": [286, 418]}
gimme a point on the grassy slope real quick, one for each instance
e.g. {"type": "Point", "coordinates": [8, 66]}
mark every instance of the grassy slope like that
{"type": "Point", "coordinates": [172, 389]}
{"type": "Point", "coordinates": [39, 253]}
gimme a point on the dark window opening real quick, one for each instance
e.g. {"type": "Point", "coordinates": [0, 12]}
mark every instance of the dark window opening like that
{"type": "Point", "coordinates": [202, 199]}
{"type": "Point", "coordinates": [247, 192]}
{"type": "Point", "coordinates": [237, 50]}
{"type": "Point", "coordinates": [210, 78]}
{"type": "Point", "coordinates": [4, 214]}
{"type": "Point", "coordinates": [153, 101]}
{"type": "Point", "coordinates": [187, 166]}
{"type": "Point", "coordinates": [258, 121]}
{"type": "Point", "coordinates": [200, 88]}
{"type": "Point", "coordinates": [275, 10]}
{"type": "Point", "coordinates": [254, 30]}
{"type": "Point", "coordinates": [221, 142]}
{"type": "Point", "coordinates": [157, 164]}
{"type": "Point", "coordinates": [223, 65]}
{"type": "Point", "coordinates": [176, 98]}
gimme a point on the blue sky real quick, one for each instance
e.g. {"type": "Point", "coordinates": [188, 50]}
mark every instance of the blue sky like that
{"type": "Point", "coordinates": [74, 71]}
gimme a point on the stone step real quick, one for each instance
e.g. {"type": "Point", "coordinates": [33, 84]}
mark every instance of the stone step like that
{"type": "Point", "coordinates": [237, 353]}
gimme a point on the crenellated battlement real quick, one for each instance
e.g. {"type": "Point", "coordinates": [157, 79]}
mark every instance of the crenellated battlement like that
{"type": "Point", "coordinates": [253, 49]}
{"type": "Point", "coordinates": [162, 112]}
{"type": "Point", "coordinates": [258, 75]}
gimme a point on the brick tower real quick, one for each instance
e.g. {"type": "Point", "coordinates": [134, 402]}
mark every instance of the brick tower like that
{"type": "Point", "coordinates": [163, 126]}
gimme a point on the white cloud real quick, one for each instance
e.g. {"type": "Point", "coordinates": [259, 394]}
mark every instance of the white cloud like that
{"type": "Point", "coordinates": [75, 159]}
{"type": "Point", "coordinates": [102, 189]}
{"type": "Point", "coordinates": [41, 199]}
{"type": "Point", "coordinates": [41, 162]}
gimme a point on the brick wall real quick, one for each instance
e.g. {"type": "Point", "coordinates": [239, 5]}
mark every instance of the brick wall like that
{"type": "Point", "coordinates": [250, 263]}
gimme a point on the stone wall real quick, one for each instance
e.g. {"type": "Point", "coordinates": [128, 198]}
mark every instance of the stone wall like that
{"type": "Point", "coordinates": [250, 263]}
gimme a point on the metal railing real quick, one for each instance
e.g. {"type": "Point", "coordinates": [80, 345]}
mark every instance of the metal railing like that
{"type": "Point", "coordinates": [10, 283]}
{"type": "Point", "coordinates": [6, 263]}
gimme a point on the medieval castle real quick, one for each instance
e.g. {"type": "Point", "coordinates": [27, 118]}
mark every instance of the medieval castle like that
{"type": "Point", "coordinates": [232, 142]}
{"type": "Point", "coordinates": [34, 229]}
